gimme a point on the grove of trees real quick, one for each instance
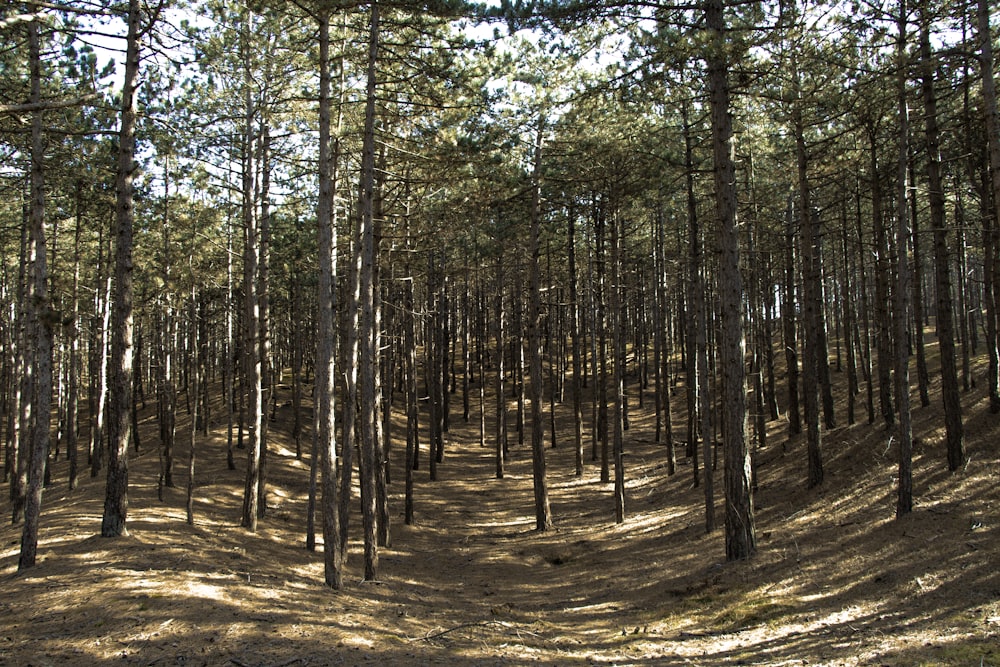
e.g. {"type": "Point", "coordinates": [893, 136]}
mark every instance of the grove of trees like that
{"type": "Point", "coordinates": [213, 206]}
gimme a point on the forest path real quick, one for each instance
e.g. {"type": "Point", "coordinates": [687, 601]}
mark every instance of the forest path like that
{"type": "Point", "coordinates": [836, 580]}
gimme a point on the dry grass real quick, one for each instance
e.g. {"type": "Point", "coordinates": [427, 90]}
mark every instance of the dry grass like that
{"type": "Point", "coordinates": [837, 580]}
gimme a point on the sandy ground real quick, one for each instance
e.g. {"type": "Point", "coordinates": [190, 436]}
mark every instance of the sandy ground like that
{"type": "Point", "coordinates": [837, 580]}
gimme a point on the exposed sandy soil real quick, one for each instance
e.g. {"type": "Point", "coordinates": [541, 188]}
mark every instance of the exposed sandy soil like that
{"type": "Point", "coordinates": [837, 580]}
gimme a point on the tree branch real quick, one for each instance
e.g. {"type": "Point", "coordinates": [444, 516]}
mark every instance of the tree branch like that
{"type": "Point", "coordinates": [46, 105]}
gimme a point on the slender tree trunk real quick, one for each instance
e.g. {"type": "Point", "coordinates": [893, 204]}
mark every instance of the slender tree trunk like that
{"type": "Point", "coordinates": [992, 230]}
{"type": "Point", "coordinates": [696, 304]}
{"type": "Point", "coordinates": [945, 319]}
{"type": "Point", "coordinates": [251, 306]}
{"type": "Point", "coordinates": [350, 364]}
{"type": "Point", "coordinates": [923, 376]}
{"type": "Point", "coordinates": [21, 444]}
{"type": "Point", "coordinates": [368, 334]}
{"type": "Point", "coordinates": [325, 435]}
{"type": "Point", "coordinates": [574, 332]}
{"type": "Point", "coordinates": [848, 295]}
{"type": "Point", "coordinates": [168, 347]}
{"type": "Point", "coordinates": [962, 289]}
{"type": "Point", "coordinates": [295, 303]}
{"type": "Point", "coordinates": [499, 390]}
{"type": "Point", "coordinates": [812, 297]}
{"type": "Point", "coordinates": [195, 387]}
{"type": "Point", "coordinates": [40, 320]}
{"type": "Point", "coordinates": [231, 359]}
{"type": "Point", "coordinates": [883, 316]}
{"type": "Point", "coordinates": [600, 325]}
{"type": "Point", "coordinates": [770, 392]}
{"type": "Point", "coordinates": [432, 370]}
{"type": "Point", "coordinates": [740, 533]}
{"type": "Point", "coordinates": [466, 366]}
{"type": "Point", "coordinates": [383, 380]}
{"type": "Point", "coordinates": [102, 361]}
{"type": "Point", "coordinates": [543, 511]}
{"type": "Point", "coordinates": [904, 485]}
{"type": "Point", "coordinates": [116, 497]}
{"type": "Point", "coordinates": [866, 336]}
{"type": "Point", "coordinates": [73, 400]}
{"type": "Point", "coordinates": [618, 370]}
{"type": "Point", "coordinates": [267, 384]}
{"type": "Point", "coordinates": [789, 333]}
{"type": "Point", "coordinates": [410, 392]}
{"type": "Point", "coordinates": [660, 356]}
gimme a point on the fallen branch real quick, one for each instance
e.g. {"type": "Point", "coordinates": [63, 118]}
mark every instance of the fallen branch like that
{"type": "Point", "coordinates": [442, 633]}
{"type": "Point", "coordinates": [286, 663]}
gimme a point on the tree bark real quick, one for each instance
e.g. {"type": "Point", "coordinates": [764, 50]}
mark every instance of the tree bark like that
{"type": "Point", "coordinates": [992, 289]}
{"type": "Point", "coordinates": [40, 322]}
{"type": "Point", "coordinates": [812, 295]}
{"type": "Point", "coordinates": [883, 316]}
{"type": "Point", "coordinates": [696, 305]}
{"type": "Point", "coordinates": [499, 390]}
{"type": "Point", "coordinates": [197, 309]}
{"type": "Point", "coordinates": [368, 334]}
{"type": "Point", "coordinates": [741, 542]}
{"type": "Point", "coordinates": [618, 369]}
{"type": "Point", "coordinates": [904, 484]}
{"type": "Point", "coordinates": [119, 422]}
{"type": "Point", "coordinates": [543, 511]}
{"type": "Point", "coordinates": [251, 305]}
{"type": "Point", "coordinates": [325, 437]}
{"type": "Point", "coordinates": [942, 274]}
{"type": "Point", "coordinates": [917, 280]}
{"type": "Point", "coordinates": [574, 332]}
{"type": "Point", "coordinates": [788, 307]}
{"type": "Point", "coordinates": [73, 400]}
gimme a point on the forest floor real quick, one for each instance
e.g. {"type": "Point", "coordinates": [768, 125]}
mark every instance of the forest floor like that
{"type": "Point", "coordinates": [837, 580]}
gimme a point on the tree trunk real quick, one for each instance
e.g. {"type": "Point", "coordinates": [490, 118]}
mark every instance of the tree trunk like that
{"type": "Point", "coordinates": [198, 311]}
{"type": "Point", "coordinates": [917, 279]}
{"type": "Point", "coordinates": [325, 436]}
{"type": "Point", "coordinates": [904, 484]}
{"type": "Point", "coordinates": [696, 303]}
{"type": "Point", "coordinates": [618, 370]}
{"type": "Point", "coordinates": [543, 511]}
{"type": "Point", "coordinates": [267, 384]}
{"type": "Point", "coordinates": [167, 394]}
{"type": "Point", "coordinates": [991, 231]}
{"type": "Point", "coordinates": [119, 422]}
{"type": "Point", "coordinates": [21, 443]}
{"type": "Point", "coordinates": [661, 370]}
{"type": "Point", "coordinates": [788, 308]}
{"type": "Point", "coordinates": [600, 325]}
{"type": "Point", "coordinates": [574, 332]}
{"type": "Point", "coordinates": [410, 392]}
{"type": "Point", "coordinates": [883, 316]}
{"type": "Point", "coordinates": [812, 296]}
{"type": "Point", "coordinates": [942, 274]}
{"type": "Point", "coordinates": [251, 305]}
{"type": "Point", "coordinates": [231, 358]}
{"type": "Point", "coordinates": [866, 337]}
{"type": "Point", "coordinates": [368, 334]}
{"type": "Point", "coordinates": [73, 400]}
{"type": "Point", "coordinates": [40, 321]}
{"type": "Point", "coordinates": [740, 532]}
{"type": "Point", "coordinates": [101, 360]}
{"type": "Point", "coordinates": [499, 391]}
{"type": "Point", "coordinates": [848, 295]}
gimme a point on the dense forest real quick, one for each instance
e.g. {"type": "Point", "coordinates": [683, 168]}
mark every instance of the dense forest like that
{"type": "Point", "coordinates": [328, 246]}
